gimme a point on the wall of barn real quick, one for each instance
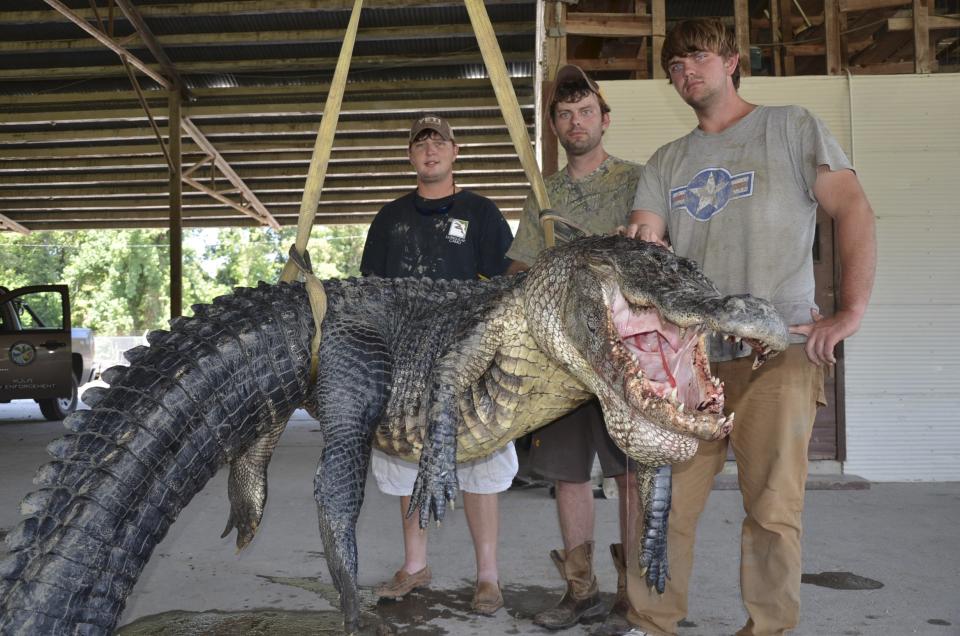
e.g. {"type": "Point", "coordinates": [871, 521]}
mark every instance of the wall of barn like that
{"type": "Point", "coordinates": [902, 133]}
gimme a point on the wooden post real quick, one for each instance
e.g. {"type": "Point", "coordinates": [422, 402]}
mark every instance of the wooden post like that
{"type": "Point", "coordinates": [640, 9]}
{"type": "Point", "coordinates": [776, 25]}
{"type": "Point", "coordinates": [554, 57]}
{"type": "Point", "coordinates": [786, 33]}
{"type": "Point", "coordinates": [921, 37]}
{"type": "Point", "coordinates": [831, 23]}
{"type": "Point", "coordinates": [176, 202]}
{"type": "Point", "coordinates": [658, 13]}
{"type": "Point", "coordinates": [741, 18]}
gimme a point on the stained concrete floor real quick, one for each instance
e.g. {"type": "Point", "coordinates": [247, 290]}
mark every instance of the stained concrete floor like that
{"type": "Point", "coordinates": [878, 561]}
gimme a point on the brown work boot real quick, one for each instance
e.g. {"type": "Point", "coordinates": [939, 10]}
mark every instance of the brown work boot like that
{"type": "Point", "coordinates": [616, 622]}
{"type": "Point", "coordinates": [620, 603]}
{"type": "Point", "coordinates": [581, 602]}
{"type": "Point", "coordinates": [402, 583]}
{"type": "Point", "coordinates": [487, 598]}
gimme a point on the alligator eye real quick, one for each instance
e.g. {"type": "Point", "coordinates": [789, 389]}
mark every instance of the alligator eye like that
{"type": "Point", "coordinates": [593, 323]}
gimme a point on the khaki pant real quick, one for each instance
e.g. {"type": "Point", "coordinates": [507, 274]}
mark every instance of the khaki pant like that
{"type": "Point", "coordinates": [775, 407]}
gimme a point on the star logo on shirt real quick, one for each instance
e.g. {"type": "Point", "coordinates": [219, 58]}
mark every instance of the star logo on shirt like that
{"type": "Point", "coordinates": [709, 191]}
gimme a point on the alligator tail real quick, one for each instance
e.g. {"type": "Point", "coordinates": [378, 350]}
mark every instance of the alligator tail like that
{"type": "Point", "coordinates": [197, 397]}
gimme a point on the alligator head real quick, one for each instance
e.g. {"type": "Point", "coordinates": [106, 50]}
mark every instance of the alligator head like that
{"type": "Point", "coordinates": [631, 323]}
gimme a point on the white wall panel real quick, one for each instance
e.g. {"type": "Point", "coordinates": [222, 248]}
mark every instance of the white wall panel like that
{"type": "Point", "coordinates": [903, 134]}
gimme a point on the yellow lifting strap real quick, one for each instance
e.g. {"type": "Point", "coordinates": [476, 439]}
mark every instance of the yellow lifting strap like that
{"type": "Point", "coordinates": [314, 185]}
{"type": "Point", "coordinates": [507, 99]}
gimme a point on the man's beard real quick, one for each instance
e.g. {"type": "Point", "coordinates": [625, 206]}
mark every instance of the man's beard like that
{"type": "Point", "coordinates": [579, 146]}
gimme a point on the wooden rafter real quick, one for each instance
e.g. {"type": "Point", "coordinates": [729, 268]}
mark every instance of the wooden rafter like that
{"type": "Point", "coordinates": [256, 209]}
{"type": "Point", "coordinates": [107, 41]}
{"type": "Point", "coordinates": [10, 224]}
{"type": "Point", "coordinates": [146, 35]}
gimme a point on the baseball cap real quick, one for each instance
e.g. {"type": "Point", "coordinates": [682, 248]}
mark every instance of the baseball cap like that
{"type": "Point", "coordinates": [571, 73]}
{"type": "Point", "coordinates": [431, 122]}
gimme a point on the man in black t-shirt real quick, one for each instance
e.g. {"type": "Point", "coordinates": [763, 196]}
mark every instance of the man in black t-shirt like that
{"type": "Point", "coordinates": [440, 231]}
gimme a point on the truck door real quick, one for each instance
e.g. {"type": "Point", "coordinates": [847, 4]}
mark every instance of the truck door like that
{"type": "Point", "coordinates": [35, 351]}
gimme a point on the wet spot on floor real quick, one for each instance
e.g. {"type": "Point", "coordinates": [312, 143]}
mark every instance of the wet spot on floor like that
{"type": "Point", "coordinates": [412, 615]}
{"type": "Point", "coordinates": [938, 621]}
{"type": "Point", "coordinates": [251, 623]}
{"type": "Point", "coordinates": [841, 581]}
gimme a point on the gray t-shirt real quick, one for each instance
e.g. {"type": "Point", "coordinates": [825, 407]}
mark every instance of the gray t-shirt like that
{"type": "Point", "coordinates": [599, 203]}
{"type": "Point", "coordinates": [740, 203]}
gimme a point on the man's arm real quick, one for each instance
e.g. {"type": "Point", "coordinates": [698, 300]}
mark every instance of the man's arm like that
{"type": "Point", "coordinates": [840, 195]}
{"type": "Point", "coordinates": [646, 226]}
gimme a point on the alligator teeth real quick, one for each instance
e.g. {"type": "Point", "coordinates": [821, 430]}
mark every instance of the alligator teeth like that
{"type": "Point", "coordinates": [680, 409]}
{"type": "Point", "coordinates": [673, 394]}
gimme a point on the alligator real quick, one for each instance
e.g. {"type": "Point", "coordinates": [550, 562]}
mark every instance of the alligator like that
{"type": "Point", "coordinates": [443, 371]}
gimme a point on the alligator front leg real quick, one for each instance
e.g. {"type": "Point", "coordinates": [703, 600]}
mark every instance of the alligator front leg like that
{"type": "Point", "coordinates": [437, 477]}
{"type": "Point", "coordinates": [654, 488]}
{"type": "Point", "coordinates": [436, 482]}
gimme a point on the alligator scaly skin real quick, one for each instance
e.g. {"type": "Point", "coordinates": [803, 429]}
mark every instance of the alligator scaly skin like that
{"type": "Point", "coordinates": [443, 369]}
{"type": "Point", "coordinates": [193, 400]}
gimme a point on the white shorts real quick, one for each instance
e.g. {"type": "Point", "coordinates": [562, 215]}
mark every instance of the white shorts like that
{"type": "Point", "coordinates": [487, 475]}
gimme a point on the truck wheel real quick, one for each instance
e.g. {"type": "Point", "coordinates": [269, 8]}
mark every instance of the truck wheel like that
{"type": "Point", "coordinates": [58, 408]}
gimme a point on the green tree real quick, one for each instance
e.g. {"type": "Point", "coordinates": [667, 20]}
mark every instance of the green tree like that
{"type": "Point", "coordinates": [119, 279]}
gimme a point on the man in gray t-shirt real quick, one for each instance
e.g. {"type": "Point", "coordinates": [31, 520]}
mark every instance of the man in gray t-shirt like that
{"type": "Point", "coordinates": [739, 195]}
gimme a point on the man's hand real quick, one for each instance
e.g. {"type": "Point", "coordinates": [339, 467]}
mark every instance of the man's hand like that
{"type": "Point", "coordinates": [823, 334]}
{"type": "Point", "coordinates": [646, 226]}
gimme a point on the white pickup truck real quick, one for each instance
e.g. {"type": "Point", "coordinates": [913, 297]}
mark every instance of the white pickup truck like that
{"type": "Point", "coordinates": [41, 357]}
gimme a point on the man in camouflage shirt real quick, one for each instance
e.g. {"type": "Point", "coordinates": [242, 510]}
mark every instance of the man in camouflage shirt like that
{"type": "Point", "coordinates": [595, 192]}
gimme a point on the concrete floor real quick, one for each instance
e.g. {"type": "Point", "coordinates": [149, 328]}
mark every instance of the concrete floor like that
{"type": "Point", "coordinates": [904, 536]}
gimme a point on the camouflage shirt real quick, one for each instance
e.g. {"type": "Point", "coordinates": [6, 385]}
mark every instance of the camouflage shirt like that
{"type": "Point", "coordinates": [599, 203]}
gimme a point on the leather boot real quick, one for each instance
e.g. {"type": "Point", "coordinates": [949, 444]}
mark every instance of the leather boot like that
{"type": "Point", "coordinates": [616, 622]}
{"type": "Point", "coordinates": [581, 601]}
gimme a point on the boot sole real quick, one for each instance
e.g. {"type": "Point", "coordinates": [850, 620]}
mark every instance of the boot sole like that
{"type": "Point", "coordinates": [595, 614]}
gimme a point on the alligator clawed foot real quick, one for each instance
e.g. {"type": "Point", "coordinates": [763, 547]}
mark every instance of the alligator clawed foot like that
{"type": "Point", "coordinates": [246, 522]}
{"type": "Point", "coordinates": [432, 495]}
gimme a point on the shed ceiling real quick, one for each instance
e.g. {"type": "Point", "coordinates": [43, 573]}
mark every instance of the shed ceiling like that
{"type": "Point", "coordinates": [77, 149]}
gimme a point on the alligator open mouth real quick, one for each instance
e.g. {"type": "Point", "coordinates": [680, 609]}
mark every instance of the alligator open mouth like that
{"type": "Point", "coordinates": [667, 375]}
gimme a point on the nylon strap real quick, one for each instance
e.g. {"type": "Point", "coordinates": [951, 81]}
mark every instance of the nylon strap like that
{"type": "Point", "coordinates": [324, 144]}
{"type": "Point", "coordinates": [507, 99]}
{"type": "Point", "coordinates": [318, 305]}
{"type": "Point", "coordinates": [299, 261]}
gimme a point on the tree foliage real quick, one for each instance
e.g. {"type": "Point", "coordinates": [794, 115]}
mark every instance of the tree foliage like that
{"type": "Point", "coordinates": [119, 280]}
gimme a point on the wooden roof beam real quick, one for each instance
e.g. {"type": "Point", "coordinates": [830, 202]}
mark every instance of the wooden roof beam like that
{"type": "Point", "coordinates": [240, 7]}
{"type": "Point", "coordinates": [107, 41]}
{"type": "Point", "coordinates": [256, 208]}
{"type": "Point", "coordinates": [944, 22]}
{"type": "Point", "coordinates": [7, 223]}
{"type": "Point", "coordinates": [609, 25]}
{"type": "Point", "coordinates": [146, 35]}
{"type": "Point", "coordinates": [260, 65]}
{"type": "Point", "coordinates": [298, 36]}
{"type": "Point", "coordinates": [313, 109]}
{"type": "Point", "coordinates": [866, 5]}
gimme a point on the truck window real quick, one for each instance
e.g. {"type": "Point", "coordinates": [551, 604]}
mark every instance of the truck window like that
{"type": "Point", "coordinates": [40, 310]}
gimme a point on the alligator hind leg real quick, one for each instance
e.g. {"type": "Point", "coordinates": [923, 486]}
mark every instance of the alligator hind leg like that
{"type": "Point", "coordinates": [350, 397]}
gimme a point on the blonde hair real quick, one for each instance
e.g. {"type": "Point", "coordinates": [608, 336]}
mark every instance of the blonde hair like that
{"type": "Point", "coordinates": [699, 34]}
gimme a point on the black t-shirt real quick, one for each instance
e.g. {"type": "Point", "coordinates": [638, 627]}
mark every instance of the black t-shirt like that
{"type": "Point", "coordinates": [458, 237]}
